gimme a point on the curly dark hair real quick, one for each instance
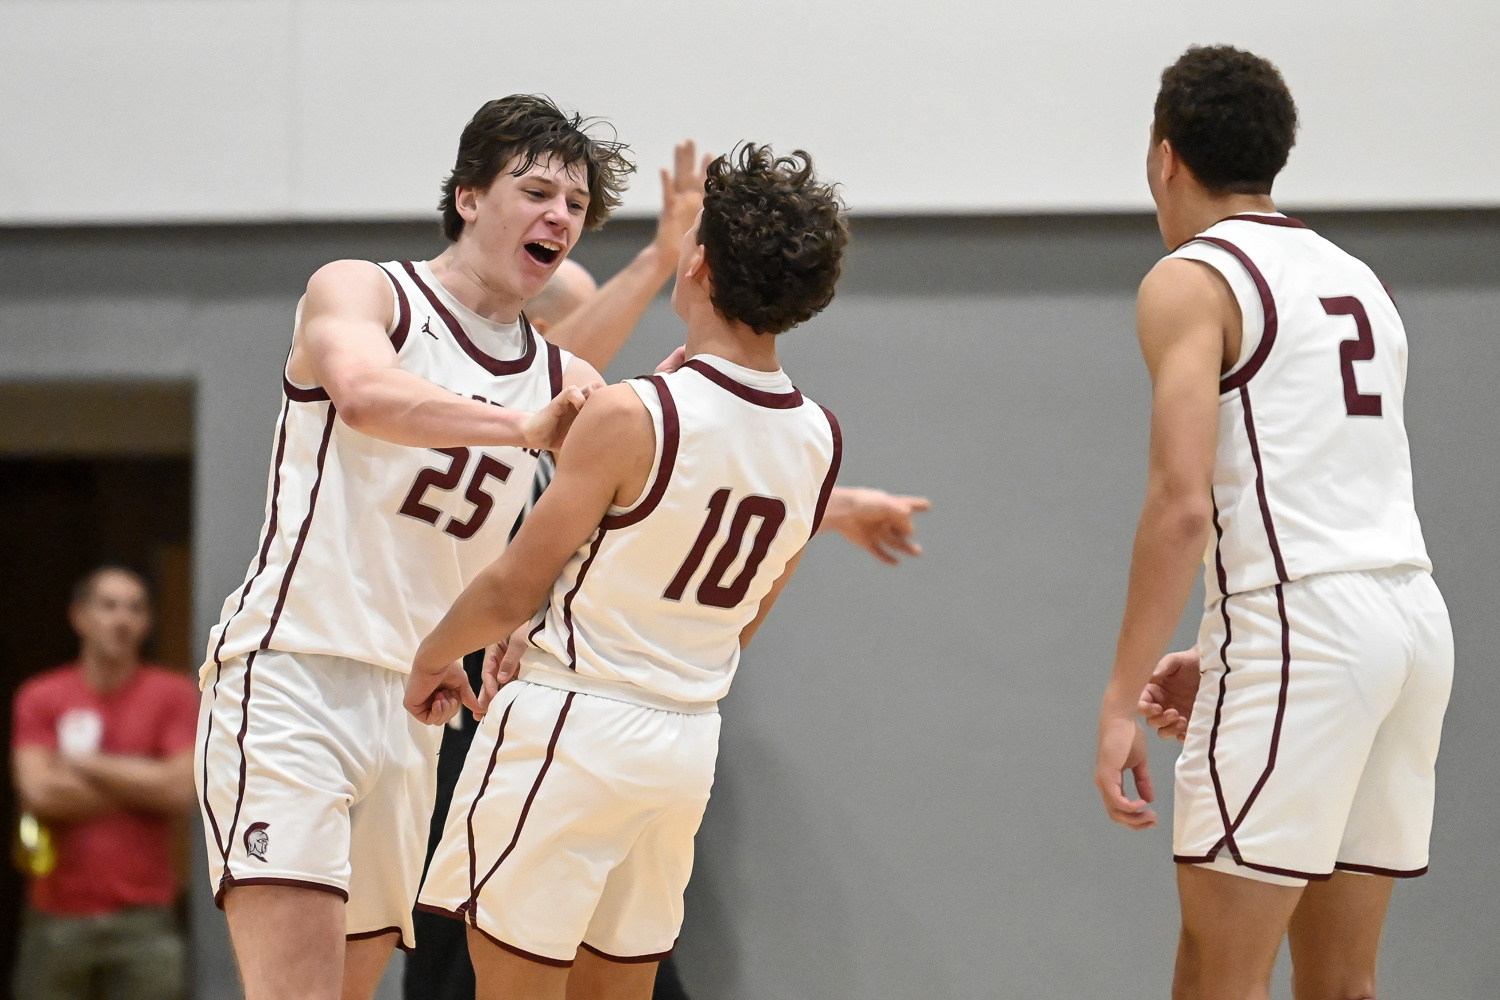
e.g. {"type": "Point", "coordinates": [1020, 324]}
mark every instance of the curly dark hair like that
{"type": "Point", "coordinates": [1229, 115]}
{"type": "Point", "coordinates": [521, 129]}
{"type": "Point", "coordinates": [774, 238]}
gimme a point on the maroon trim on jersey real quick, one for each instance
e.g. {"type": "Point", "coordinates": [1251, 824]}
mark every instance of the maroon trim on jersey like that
{"type": "Point", "coordinates": [554, 364]}
{"type": "Point", "coordinates": [1268, 220]}
{"type": "Point", "coordinates": [1281, 697]}
{"type": "Point", "coordinates": [297, 394]}
{"type": "Point", "coordinates": [556, 963]}
{"type": "Point", "coordinates": [265, 549]}
{"type": "Point", "coordinates": [400, 939]}
{"type": "Point", "coordinates": [484, 785]}
{"type": "Point", "coordinates": [403, 312]}
{"type": "Point", "coordinates": [760, 397]}
{"type": "Point", "coordinates": [632, 959]}
{"type": "Point", "coordinates": [1344, 866]}
{"type": "Point", "coordinates": [562, 716]}
{"type": "Point", "coordinates": [228, 882]}
{"type": "Point", "coordinates": [833, 469]}
{"type": "Point", "coordinates": [577, 584]}
{"type": "Point", "coordinates": [492, 365]}
{"type": "Point", "coordinates": [1237, 379]}
{"type": "Point", "coordinates": [671, 432]}
{"type": "Point", "coordinates": [1260, 487]}
{"type": "Point", "coordinates": [312, 505]}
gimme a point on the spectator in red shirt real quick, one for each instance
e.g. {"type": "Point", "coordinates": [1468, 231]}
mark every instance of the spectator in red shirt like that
{"type": "Point", "coordinates": [103, 756]}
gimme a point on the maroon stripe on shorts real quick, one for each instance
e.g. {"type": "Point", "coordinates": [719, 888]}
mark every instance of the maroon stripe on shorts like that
{"type": "Point", "coordinates": [265, 549]}
{"type": "Point", "coordinates": [492, 365]}
{"type": "Point", "coordinates": [403, 312]}
{"type": "Point", "coordinates": [760, 397]}
{"type": "Point", "coordinates": [671, 432]}
{"type": "Point", "coordinates": [1344, 866]}
{"type": "Point", "coordinates": [225, 884]}
{"type": "Point", "coordinates": [833, 469]}
{"type": "Point", "coordinates": [484, 784]}
{"type": "Point", "coordinates": [1270, 869]}
{"type": "Point", "coordinates": [562, 716]}
{"type": "Point", "coordinates": [1286, 680]}
{"type": "Point", "coordinates": [631, 959]}
{"type": "Point", "coordinates": [557, 963]}
{"type": "Point", "coordinates": [1213, 733]}
{"type": "Point", "coordinates": [1238, 379]}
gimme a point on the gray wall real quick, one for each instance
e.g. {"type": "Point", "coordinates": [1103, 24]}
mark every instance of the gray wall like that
{"type": "Point", "coordinates": [904, 804]}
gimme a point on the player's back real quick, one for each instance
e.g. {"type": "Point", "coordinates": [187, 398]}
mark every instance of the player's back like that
{"type": "Point", "coordinates": [651, 607]}
{"type": "Point", "coordinates": [1313, 472]}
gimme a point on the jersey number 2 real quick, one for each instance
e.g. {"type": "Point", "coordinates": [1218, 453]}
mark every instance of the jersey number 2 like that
{"type": "Point", "coordinates": [713, 592]}
{"type": "Point", "coordinates": [1361, 348]}
{"type": "Point", "coordinates": [446, 480]}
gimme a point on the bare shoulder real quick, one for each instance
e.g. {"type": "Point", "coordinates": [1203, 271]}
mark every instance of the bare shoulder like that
{"type": "Point", "coordinates": [1177, 284]}
{"type": "Point", "coordinates": [349, 287]}
{"type": "Point", "coordinates": [580, 372]}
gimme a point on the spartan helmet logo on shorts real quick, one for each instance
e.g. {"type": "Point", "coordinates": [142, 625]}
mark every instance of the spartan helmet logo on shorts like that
{"type": "Point", "coordinates": [257, 840]}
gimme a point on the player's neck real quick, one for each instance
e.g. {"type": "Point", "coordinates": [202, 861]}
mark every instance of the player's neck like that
{"type": "Point", "coordinates": [457, 273]}
{"type": "Point", "coordinates": [1204, 212]}
{"type": "Point", "coordinates": [734, 342]}
{"type": "Point", "coordinates": [104, 673]}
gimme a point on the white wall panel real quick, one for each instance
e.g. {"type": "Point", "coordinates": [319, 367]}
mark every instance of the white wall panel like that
{"type": "Point", "coordinates": [236, 109]}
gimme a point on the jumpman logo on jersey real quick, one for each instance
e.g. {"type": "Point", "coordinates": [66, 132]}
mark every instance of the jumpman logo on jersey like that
{"type": "Point", "coordinates": [427, 328]}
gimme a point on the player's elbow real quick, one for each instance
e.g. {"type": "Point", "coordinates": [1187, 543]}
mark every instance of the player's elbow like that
{"type": "Point", "coordinates": [357, 398]}
{"type": "Point", "coordinates": [1185, 515]}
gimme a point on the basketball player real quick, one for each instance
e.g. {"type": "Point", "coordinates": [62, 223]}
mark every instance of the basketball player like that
{"type": "Point", "coordinates": [1278, 364]}
{"type": "Point", "coordinates": [680, 509]}
{"type": "Point", "coordinates": [416, 401]}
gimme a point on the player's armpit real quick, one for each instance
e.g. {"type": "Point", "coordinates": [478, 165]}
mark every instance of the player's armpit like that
{"type": "Point", "coordinates": [607, 459]}
{"type": "Point", "coordinates": [766, 603]}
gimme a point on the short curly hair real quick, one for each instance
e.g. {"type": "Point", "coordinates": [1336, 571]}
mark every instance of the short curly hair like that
{"type": "Point", "coordinates": [1229, 115]}
{"type": "Point", "coordinates": [521, 129]}
{"type": "Point", "coordinates": [773, 236]}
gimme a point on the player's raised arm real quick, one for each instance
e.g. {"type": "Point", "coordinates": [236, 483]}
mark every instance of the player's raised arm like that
{"type": "Point", "coordinates": [597, 328]}
{"type": "Point", "coordinates": [341, 344]}
{"type": "Point", "coordinates": [1181, 314]}
{"type": "Point", "coordinates": [607, 462]}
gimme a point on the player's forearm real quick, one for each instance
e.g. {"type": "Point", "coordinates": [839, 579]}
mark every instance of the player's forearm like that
{"type": "Point", "coordinates": [597, 329]}
{"type": "Point", "coordinates": [403, 408]}
{"type": "Point", "coordinates": [141, 782]}
{"type": "Point", "coordinates": [1168, 546]}
{"type": "Point", "coordinates": [485, 613]}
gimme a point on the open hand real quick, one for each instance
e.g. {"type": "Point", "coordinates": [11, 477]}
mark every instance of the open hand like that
{"type": "Point", "coordinates": [681, 197]}
{"type": "Point", "coordinates": [435, 697]}
{"type": "Point", "coordinates": [1167, 700]}
{"type": "Point", "coordinates": [876, 521]}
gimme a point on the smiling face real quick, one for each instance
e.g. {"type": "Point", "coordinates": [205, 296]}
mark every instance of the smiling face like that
{"type": "Point", "coordinates": [522, 226]}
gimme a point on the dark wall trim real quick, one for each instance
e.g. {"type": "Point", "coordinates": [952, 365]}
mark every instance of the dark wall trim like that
{"type": "Point", "coordinates": [889, 255]}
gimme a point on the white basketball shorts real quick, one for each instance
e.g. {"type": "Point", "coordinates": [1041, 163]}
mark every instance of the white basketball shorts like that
{"type": "Point", "coordinates": [311, 773]}
{"type": "Point", "coordinates": [1313, 740]}
{"type": "Point", "coordinates": [572, 825]}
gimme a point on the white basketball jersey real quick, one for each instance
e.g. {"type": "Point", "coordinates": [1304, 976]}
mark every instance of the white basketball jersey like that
{"type": "Point", "coordinates": [651, 607]}
{"type": "Point", "coordinates": [366, 543]}
{"type": "Point", "coordinates": [1313, 473]}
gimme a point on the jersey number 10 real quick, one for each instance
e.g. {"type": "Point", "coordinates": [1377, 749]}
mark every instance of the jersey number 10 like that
{"type": "Point", "coordinates": [713, 592]}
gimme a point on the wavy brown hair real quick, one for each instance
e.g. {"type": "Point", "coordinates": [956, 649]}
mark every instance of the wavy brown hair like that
{"type": "Point", "coordinates": [774, 237]}
{"type": "Point", "coordinates": [1229, 115]}
{"type": "Point", "coordinates": [518, 130]}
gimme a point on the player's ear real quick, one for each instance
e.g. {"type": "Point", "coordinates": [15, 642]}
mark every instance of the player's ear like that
{"type": "Point", "coordinates": [697, 266]}
{"type": "Point", "coordinates": [466, 201]}
{"type": "Point", "coordinates": [1171, 163]}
